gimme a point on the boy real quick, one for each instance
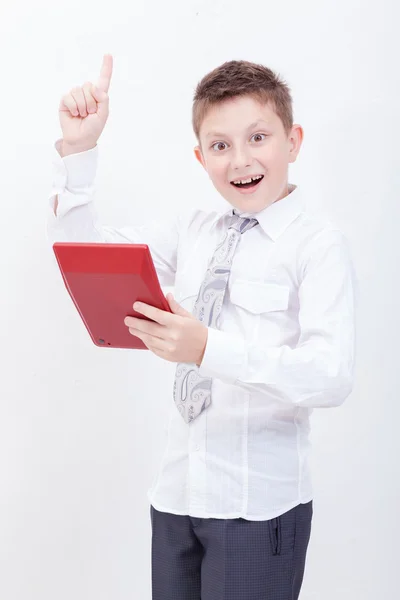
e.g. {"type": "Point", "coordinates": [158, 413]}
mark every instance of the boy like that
{"type": "Point", "coordinates": [262, 331]}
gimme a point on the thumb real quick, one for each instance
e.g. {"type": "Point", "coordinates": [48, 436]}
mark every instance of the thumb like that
{"type": "Point", "coordinates": [99, 94]}
{"type": "Point", "coordinates": [176, 308]}
{"type": "Point", "coordinates": [102, 100]}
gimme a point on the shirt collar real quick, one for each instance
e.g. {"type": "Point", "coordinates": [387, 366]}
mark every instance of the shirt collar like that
{"type": "Point", "coordinates": [274, 219]}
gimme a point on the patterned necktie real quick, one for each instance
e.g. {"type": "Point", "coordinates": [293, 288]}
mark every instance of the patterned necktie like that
{"type": "Point", "coordinates": [192, 392]}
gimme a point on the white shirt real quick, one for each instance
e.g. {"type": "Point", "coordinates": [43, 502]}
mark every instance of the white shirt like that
{"type": "Point", "coordinates": [285, 345]}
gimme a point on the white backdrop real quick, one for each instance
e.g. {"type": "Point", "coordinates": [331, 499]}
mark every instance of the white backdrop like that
{"type": "Point", "coordinates": [78, 449]}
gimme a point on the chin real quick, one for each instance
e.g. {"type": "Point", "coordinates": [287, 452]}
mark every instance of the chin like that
{"type": "Point", "coordinates": [249, 204]}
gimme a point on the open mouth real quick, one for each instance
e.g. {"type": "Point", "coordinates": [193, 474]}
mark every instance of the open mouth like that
{"type": "Point", "coordinates": [250, 182]}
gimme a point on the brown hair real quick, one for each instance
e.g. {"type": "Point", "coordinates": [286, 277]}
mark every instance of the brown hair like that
{"type": "Point", "coordinates": [242, 78]}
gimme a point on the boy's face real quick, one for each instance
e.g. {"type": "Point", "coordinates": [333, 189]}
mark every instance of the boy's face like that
{"type": "Point", "coordinates": [242, 139]}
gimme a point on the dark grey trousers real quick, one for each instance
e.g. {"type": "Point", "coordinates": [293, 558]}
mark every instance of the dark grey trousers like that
{"type": "Point", "coordinates": [229, 559]}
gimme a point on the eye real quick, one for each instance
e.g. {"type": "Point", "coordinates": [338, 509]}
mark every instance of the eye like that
{"type": "Point", "coordinates": [219, 146]}
{"type": "Point", "coordinates": [258, 137]}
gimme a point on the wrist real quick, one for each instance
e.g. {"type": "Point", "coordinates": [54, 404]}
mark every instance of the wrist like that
{"type": "Point", "coordinates": [203, 346]}
{"type": "Point", "coordinates": [67, 149]}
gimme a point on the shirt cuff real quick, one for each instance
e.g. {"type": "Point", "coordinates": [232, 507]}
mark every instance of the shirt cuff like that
{"type": "Point", "coordinates": [224, 356]}
{"type": "Point", "coordinates": [72, 173]}
{"type": "Point", "coordinates": [76, 170]}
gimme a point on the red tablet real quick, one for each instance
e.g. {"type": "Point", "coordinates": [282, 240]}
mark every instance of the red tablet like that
{"type": "Point", "coordinates": [104, 280]}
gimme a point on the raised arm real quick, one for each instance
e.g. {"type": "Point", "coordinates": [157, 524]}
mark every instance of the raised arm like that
{"type": "Point", "coordinates": [72, 214]}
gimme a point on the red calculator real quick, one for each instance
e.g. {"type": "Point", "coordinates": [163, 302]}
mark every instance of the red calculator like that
{"type": "Point", "coordinates": [104, 280]}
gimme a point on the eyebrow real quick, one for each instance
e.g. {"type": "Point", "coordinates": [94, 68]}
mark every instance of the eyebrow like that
{"type": "Point", "coordinates": [252, 126]}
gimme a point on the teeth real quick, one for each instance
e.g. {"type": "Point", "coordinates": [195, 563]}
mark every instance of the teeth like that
{"type": "Point", "coordinates": [248, 180]}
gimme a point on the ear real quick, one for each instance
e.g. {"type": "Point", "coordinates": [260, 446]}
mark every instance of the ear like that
{"type": "Point", "coordinates": [295, 140]}
{"type": "Point", "coordinates": [199, 155]}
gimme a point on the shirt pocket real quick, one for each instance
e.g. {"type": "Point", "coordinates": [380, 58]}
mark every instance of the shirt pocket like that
{"type": "Point", "coordinates": [258, 297]}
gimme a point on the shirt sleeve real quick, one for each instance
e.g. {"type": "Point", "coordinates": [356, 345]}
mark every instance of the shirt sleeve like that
{"type": "Point", "coordinates": [319, 370]}
{"type": "Point", "coordinates": [76, 218]}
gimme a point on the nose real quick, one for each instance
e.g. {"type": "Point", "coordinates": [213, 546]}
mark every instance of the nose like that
{"type": "Point", "coordinates": [241, 159]}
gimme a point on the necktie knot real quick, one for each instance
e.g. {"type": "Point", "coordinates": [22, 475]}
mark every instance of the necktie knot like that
{"type": "Point", "coordinates": [242, 224]}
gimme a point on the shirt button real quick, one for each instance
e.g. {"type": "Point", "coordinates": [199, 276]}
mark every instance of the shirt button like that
{"type": "Point", "coordinates": [197, 448]}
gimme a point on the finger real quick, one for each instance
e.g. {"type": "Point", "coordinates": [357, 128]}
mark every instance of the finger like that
{"type": "Point", "coordinates": [153, 343]}
{"type": "Point", "coordinates": [91, 103]}
{"type": "Point", "coordinates": [155, 314]}
{"type": "Point", "coordinates": [68, 104]}
{"type": "Point", "coordinates": [176, 308]}
{"type": "Point", "coordinates": [161, 354]}
{"type": "Point", "coordinates": [77, 94]}
{"type": "Point", "coordinates": [144, 326]}
{"type": "Point", "coordinates": [139, 336]}
{"type": "Point", "coordinates": [99, 95]}
{"type": "Point", "coordinates": [105, 74]}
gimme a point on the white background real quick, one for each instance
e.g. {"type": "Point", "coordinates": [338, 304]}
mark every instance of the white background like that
{"type": "Point", "coordinates": [78, 447]}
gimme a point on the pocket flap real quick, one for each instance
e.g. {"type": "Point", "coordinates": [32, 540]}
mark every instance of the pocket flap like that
{"type": "Point", "coordinates": [258, 297]}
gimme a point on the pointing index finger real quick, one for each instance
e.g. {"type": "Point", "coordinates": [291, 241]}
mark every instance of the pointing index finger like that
{"type": "Point", "coordinates": [105, 73]}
